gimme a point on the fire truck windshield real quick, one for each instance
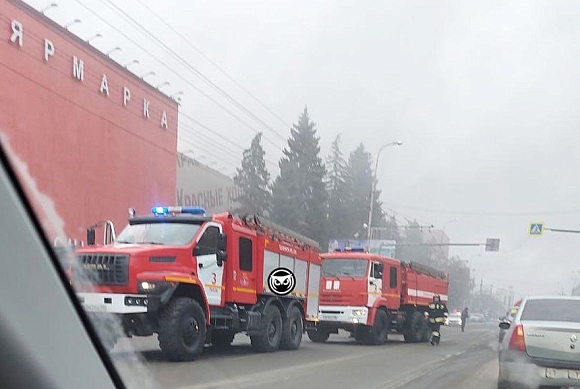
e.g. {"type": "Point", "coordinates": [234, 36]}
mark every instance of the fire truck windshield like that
{"type": "Point", "coordinates": [344, 267]}
{"type": "Point", "coordinates": [172, 234]}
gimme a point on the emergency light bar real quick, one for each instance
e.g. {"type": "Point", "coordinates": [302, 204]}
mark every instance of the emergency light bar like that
{"type": "Point", "coordinates": [350, 250]}
{"type": "Point", "coordinates": [159, 211]}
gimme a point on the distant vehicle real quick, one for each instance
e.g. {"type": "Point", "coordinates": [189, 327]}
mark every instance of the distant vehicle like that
{"type": "Point", "coordinates": [371, 295]}
{"type": "Point", "coordinates": [454, 319]}
{"type": "Point", "coordinates": [477, 318]}
{"type": "Point", "coordinates": [540, 347]}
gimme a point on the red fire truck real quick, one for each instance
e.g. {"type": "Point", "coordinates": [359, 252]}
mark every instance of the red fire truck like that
{"type": "Point", "coordinates": [194, 279]}
{"type": "Point", "coordinates": [371, 295]}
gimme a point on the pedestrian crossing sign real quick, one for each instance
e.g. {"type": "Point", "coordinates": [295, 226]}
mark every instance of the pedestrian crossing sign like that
{"type": "Point", "coordinates": [536, 229]}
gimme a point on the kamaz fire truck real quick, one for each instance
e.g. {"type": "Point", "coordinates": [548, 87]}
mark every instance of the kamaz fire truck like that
{"type": "Point", "coordinates": [195, 279]}
{"type": "Point", "coordinates": [371, 295]}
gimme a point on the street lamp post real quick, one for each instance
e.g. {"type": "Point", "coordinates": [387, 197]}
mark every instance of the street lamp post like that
{"type": "Point", "coordinates": [373, 187]}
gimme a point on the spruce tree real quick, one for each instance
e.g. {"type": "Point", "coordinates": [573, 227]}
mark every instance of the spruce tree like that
{"type": "Point", "coordinates": [299, 194]}
{"type": "Point", "coordinates": [359, 183]}
{"type": "Point", "coordinates": [338, 193]}
{"type": "Point", "coordinates": [254, 179]}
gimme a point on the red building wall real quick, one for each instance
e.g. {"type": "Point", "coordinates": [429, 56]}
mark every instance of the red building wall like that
{"type": "Point", "coordinates": [91, 153]}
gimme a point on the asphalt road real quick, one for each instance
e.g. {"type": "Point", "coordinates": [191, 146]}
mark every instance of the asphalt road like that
{"type": "Point", "coordinates": [462, 360]}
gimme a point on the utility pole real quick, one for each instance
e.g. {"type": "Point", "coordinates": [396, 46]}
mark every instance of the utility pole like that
{"type": "Point", "coordinates": [373, 188]}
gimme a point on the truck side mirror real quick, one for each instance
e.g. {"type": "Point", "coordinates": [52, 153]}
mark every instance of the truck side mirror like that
{"type": "Point", "coordinates": [220, 258]}
{"type": "Point", "coordinates": [222, 243]}
{"type": "Point", "coordinates": [90, 236]}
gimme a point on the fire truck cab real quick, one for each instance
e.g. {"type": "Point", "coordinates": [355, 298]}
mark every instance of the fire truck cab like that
{"type": "Point", "coordinates": [371, 295]}
{"type": "Point", "coordinates": [196, 279]}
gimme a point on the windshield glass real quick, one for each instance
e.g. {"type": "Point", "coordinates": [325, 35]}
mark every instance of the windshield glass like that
{"type": "Point", "coordinates": [345, 267]}
{"type": "Point", "coordinates": [172, 234]}
{"type": "Point", "coordinates": [552, 310]}
{"type": "Point", "coordinates": [440, 135]}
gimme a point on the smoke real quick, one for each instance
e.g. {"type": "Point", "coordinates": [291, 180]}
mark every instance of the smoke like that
{"type": "Point", "coordinates": [109, 327]}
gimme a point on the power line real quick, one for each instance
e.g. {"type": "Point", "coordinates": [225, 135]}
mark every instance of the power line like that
{"type": "Point", "coordinates": [492, 213]}
{"type": "Point", "coordinates": [182, 127]}
{"type": "Point", "coordinates": [227, 140]}
{"type": "Point", "coordinates": [213, 63]}
{"type": "Point", "coordinates": [196, 71]}
{"type": "Point", "coordinates": [173, 71]}
{"type": "Point", "coordinates": [74, 103]}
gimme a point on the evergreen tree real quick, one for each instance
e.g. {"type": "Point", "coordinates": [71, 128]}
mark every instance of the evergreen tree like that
{"type": "Point", "coordinates": [299, 193]}
{"type": "Point", "coordinates": [359, 183]}
{"type": "Point", "coordinates": [253, 179]}
{"type": "Point", "coordinates": [338, 193]}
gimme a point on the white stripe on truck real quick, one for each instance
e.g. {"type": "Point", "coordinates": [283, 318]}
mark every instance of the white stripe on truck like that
{"type": "Point", "coordinates": [424, 294]}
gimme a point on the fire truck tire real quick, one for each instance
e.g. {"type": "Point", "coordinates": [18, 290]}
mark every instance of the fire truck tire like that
{"type": "Point", "coordinates": [271, 331]}
{"type": "Point", "coordinates": [378, 332]}
{"type": "Point", "coordinates": [415, 328]}
{"type": "Point", "coordinates": [319, 336]}
{"type": "Point", "coordinates": [182, 329]}
{"type": "Point", "coordinates": [222, 338]}
{"type": "Point", "coordinates": [292, 330]}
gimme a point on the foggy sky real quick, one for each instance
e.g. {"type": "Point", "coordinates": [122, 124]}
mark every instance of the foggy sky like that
{"type": "Point", "coordinates": [483, 94]}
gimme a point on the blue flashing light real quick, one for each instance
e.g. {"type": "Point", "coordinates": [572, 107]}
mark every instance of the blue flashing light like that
{"type": "Point", "coordinates": [350, 250]}
{"type": "Point", "coordinates": [160, 210]}
{"type": "Point", "coordinates": [193, 210]}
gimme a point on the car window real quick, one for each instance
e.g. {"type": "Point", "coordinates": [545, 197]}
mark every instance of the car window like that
{"type": "Point", "coordinates": [552, 310]}
{"type": "Point", "coordinates": [222, 180]}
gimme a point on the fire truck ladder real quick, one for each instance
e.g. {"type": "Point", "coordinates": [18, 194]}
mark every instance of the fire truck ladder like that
{"type": "Point", "coordinates": [421, 268]}
{"type": "Point", "coordinates": [258, 222]}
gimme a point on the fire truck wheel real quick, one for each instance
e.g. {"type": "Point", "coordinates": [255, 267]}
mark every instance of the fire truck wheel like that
{"type": "Point", "coordinates": [182, 329]}
{"type": "Point", "coordinates": [292, 334]}
{"type": "Point", "coordinates": [271, 331]}
{"type": "Point", "coordinates": [415, 328]}
{"type": "Point", "coordinates": [378, 332]}
{"type": "Point", "coordinates": [222, 338]}
{"type": "Point", "coordinates": [319, 336]}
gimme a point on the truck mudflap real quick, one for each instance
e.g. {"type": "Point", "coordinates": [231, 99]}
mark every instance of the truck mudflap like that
{"type": "Point", "coordinates": [254, 321]}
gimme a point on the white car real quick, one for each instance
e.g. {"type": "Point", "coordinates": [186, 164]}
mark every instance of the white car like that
{"type": "Point", "coordinates": [454, 319]}
{"type": "Point", "coordinates": [541, 346]}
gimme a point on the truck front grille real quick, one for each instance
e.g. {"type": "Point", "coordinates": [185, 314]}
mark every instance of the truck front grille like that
{"type": "Point", "coordinates": [103, 269]}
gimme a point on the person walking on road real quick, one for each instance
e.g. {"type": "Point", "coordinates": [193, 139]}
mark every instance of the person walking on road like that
{"type": "Point", "coordinates": [464, 316]}
{"type": "Point", "coordinates": [437, 314]}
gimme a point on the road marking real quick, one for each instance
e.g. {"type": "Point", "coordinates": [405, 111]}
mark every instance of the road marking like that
{"type": "Point", "coordinates": [274, 375]}
{"type": "Point", "coordinates": [428, 369]}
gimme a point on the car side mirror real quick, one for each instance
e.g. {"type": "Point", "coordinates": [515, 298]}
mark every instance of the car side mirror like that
{"type": "Point", "coordinates": [90, 236]}
{"type": "Point", "coordinates": [504, 325]}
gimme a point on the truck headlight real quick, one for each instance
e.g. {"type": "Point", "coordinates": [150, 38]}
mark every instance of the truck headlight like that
{"type": "Point", "coordinates": [152, 287]}
{"type": "Point", "coordinates": [359, 312]}
{"type": "Point", "coordinates": [145, 285]}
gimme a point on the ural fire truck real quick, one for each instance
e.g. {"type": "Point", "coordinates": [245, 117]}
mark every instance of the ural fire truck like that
{"type": "Point", "coordinates": [371, 295]}
{"type": "Point", "coordinates": [194, 280]}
